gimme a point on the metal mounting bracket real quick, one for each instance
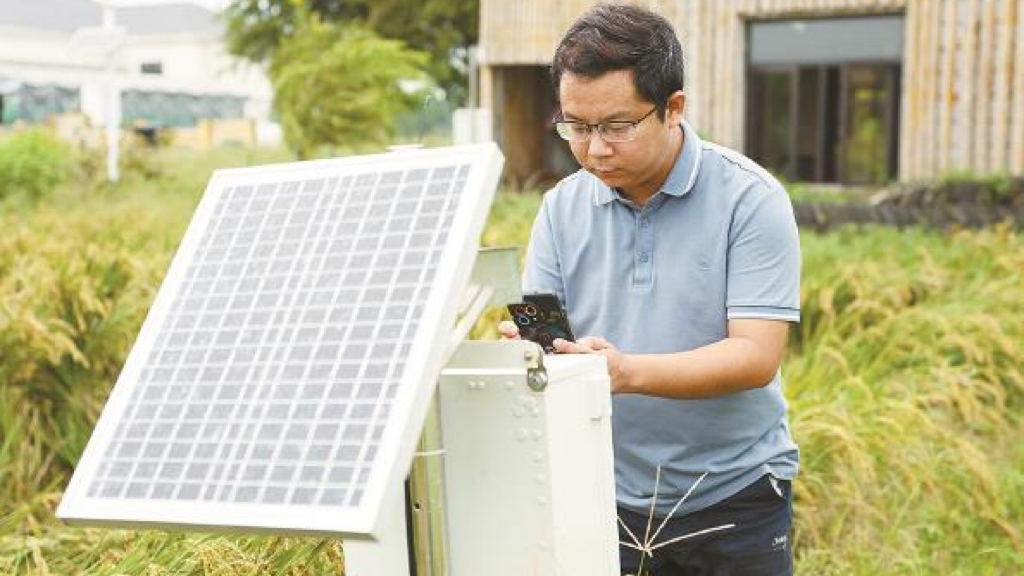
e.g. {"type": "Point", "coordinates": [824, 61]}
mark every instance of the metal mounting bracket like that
{"type": "Point", "coordinates": [536, 374]}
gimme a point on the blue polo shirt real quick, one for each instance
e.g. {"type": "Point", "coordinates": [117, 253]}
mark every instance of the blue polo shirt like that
{"type": "Point", "coordinates": [718, 241]}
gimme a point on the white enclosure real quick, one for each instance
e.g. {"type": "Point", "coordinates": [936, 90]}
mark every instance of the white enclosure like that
{"type": "Point", "coordinates": [529, 478]}
{"type": "Point", "coordinates": [529, 485]}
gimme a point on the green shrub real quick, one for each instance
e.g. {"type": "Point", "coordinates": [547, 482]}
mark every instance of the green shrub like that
{"type": "Point", "coordinates": [991, 187]}
{"type": "Point", "coordinates": [32, 164]}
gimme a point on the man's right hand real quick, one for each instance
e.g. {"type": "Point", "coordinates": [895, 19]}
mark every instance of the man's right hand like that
{"type": "Point", "coordinates": [508, 330]}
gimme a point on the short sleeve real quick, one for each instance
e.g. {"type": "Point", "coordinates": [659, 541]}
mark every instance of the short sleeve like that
{"type": "Point", "coordinates": [541, 270]}
{"type": "Point", "coordinates": [764, 258]}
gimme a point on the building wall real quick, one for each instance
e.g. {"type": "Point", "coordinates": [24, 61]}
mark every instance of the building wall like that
{"type": "Point", "coordinates": [197, 66]}
{"type": "Point", "coordinates": [963, 68]}
{"type": "Point", "coordinates": [191, 65]}
{"type": "Point", "coordinates": [42, 57]}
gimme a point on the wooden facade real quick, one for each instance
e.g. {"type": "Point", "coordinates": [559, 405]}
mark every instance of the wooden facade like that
{"type": "Point", "coordinates": [962, 78]}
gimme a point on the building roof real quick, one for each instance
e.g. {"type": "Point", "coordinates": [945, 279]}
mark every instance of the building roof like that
{"type": "Point", "coordinates": [69, 15]}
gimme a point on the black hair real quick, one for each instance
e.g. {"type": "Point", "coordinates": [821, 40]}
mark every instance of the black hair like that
{"type": "Point", "coordinates": [611, 37]}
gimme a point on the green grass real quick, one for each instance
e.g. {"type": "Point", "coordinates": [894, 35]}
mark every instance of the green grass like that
{"type": "Point", "coordinates": [836, 194]}
{"type": "Point", "coordinates": [904, 382]}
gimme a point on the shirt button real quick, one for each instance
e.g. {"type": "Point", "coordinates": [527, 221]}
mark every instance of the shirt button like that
{"type": "Point", "coordinates": [643, 257]}
{"type": "Point", "coordinates": [644, 222]}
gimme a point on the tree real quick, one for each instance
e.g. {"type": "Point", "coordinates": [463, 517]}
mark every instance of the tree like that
{"type": "Point", "coordinates": [255, 28]}
{"type": "Point", "coordinates": [442, 28]}
{"type": "Point", "coordinates": [337, 84]}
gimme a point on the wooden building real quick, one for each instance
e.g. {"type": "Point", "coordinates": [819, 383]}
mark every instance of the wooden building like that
{"type": "Point", "coordinates": [850, 91]}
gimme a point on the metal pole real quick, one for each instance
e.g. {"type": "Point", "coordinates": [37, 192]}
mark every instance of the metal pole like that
{"type": "Point", "coordinates": [474, 77]}
{"type": "Point", "coordinates": [113, 107]}
{"type": "Point", "coordinates": [426, 500]}
{"type": "Point", "coordinates": [474, 83]}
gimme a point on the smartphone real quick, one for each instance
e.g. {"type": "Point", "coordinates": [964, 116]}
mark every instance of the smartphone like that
{"type": "Point", "coordinates": [541, 318]}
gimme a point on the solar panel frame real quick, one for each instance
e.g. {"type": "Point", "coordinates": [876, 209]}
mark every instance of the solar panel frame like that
{"type": "Point", "coordinates": [421, 370]}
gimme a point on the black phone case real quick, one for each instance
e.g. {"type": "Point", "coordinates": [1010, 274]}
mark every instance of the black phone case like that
{"type": "Point", "coordinates": [541, 319]}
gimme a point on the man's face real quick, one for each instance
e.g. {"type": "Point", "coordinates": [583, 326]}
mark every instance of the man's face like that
{"type": "Point", "coordinates": [632, 166]}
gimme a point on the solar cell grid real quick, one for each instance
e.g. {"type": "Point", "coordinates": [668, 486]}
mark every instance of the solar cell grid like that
{"type": "Point", "coordinates": [273, 373]}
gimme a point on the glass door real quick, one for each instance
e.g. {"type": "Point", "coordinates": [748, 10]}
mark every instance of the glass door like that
{"type": "Point", "coordinates": [825, 123]}
{"type": "Point", "coordinates": [769, 110]}
{"type": "Point", "coordinates": [868, 151]}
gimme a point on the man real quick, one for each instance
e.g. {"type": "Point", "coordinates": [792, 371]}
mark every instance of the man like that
{"type": "Point", "coordinates": [681, 259]}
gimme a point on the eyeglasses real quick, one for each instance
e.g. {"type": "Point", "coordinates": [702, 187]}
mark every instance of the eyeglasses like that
{"type": "Point", "coordinates": [610, 131]}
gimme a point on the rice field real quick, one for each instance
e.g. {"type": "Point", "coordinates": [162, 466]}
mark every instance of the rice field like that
{"type": "Point", "coordinates": [904, 384]}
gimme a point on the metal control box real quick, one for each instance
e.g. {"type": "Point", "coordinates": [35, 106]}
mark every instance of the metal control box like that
{"type": "Point", "coordinates": [528, 473]}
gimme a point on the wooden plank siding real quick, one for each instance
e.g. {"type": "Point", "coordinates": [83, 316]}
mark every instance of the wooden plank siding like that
{"type": "Point", "coordinates": [962, 101]}
{"type": "Point", "coordinates": [1016, 112]}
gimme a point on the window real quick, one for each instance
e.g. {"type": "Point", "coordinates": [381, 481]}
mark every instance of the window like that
{"type": "Point", "coordinates": [823, 98]}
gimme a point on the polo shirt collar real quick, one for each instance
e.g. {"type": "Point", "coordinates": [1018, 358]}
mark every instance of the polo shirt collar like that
{"type": "Point", "coordinates": [680, 179]}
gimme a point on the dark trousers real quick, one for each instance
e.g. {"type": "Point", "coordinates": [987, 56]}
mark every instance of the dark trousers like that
{"type": "Point", "coordinates": [759, 544]}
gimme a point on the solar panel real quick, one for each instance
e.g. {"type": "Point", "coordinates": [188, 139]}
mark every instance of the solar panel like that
{"type": "Point", "coordinates": [281, 377]}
